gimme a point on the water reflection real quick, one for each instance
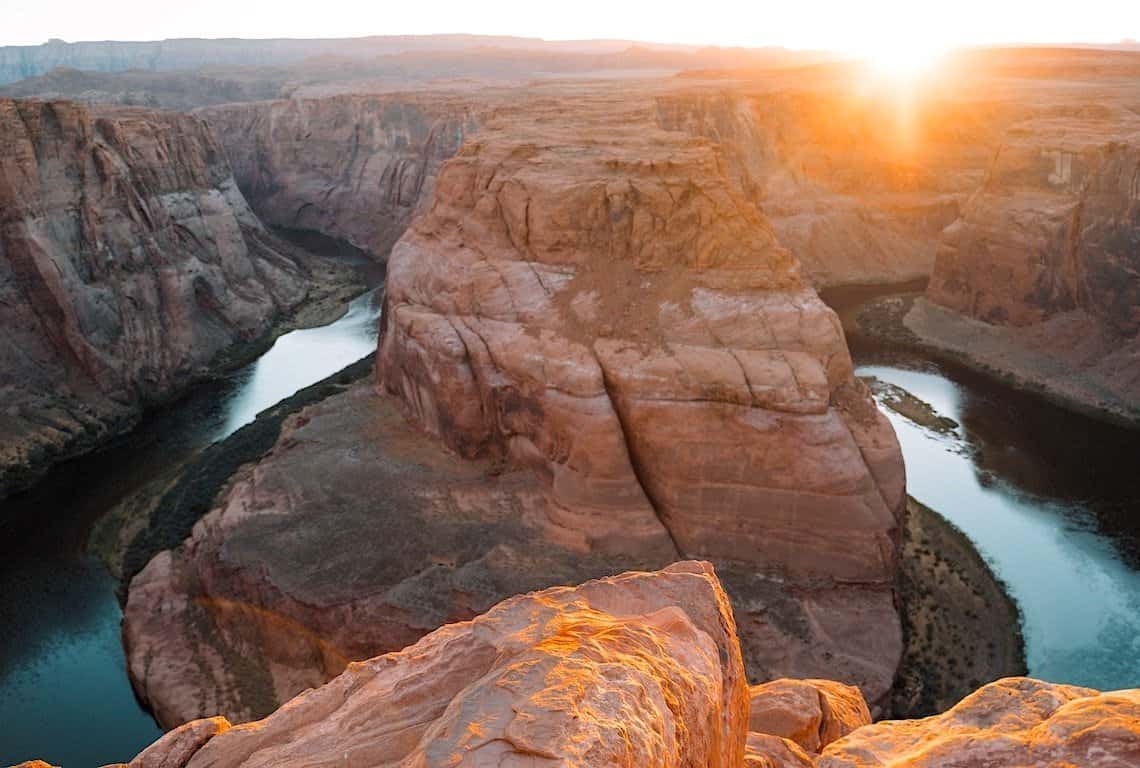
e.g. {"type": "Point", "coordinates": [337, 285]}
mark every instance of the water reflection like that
{"type": "Point", "coordinates": [299, 359]}
{"type": "Point", "coordinates": [64, 692]}
{"type": "Point", "coordinates": [1038, 490]}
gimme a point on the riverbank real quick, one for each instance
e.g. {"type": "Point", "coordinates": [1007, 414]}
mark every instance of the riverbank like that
{"type": "Point", "coordinates": [332, 283]}
{"type": "Point", "coordinates": [161, 515]}
{"type": "Point", "coordinates": [960, 627]}
{"type": "Point", "coordinates": [1067, 360]}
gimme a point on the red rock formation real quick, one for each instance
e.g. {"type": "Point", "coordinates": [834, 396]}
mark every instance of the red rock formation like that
{"type": "Point", "coordinates": [594, 301]}
{"type": "Point", "coordinates": [1016, 721]}
{"type": "Point", "coordinates": [590, 302]}
{"type": "Point", "coordinates": [129, 262]}
{"type": "Point", "coordinates": [1048, 254]}
{"type": "Point", "coordinates": [811, 713]}
{"type": "Point", "coordinates": [355, 536]}
{"type": "Point", "coordinates": [765, 751]}
{"type": "Point", "coordinates": [351, 167]}
{"type": "Point", "coordinates": [857, 179]}
{"type": "Point", "coordinates": [640, 669]}
{"type": "Point", "coordinates": [1053, 229]}
{"type": "Point", "coordinates": [175, 749]}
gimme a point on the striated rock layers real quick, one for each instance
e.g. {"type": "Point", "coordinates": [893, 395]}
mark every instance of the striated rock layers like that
{"type": "Point", "coordinates": [594, 301]}
{"type": "Point", "coordinates": [626, 369]}
{"type": "Point", "coordinates": [129, 262]}
{"type": "Point", "coordinates": [641, 669]}
{"type": "Point", "coordinates": [352, 167]}
{"type": "Point", "coordinates": [1047, 253]}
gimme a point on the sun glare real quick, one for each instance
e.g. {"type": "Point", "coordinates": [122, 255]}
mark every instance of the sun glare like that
{"type": "Point", "coordinates": [902, 60]}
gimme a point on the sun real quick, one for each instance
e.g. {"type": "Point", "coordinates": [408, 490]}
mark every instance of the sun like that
{"type": "Point", "coordinates": [901, 59]}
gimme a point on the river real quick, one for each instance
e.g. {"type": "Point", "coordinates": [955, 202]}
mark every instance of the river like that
{"type": "Point", "coordinates": [64, 692]}
{"type": "Point", "coordinates": [1049, 497]}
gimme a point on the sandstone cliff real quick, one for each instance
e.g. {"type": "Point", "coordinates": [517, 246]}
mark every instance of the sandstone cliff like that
{"type": "Point", "coordinates": [352, 167]}
{"type": "Point", "coordinates": [129, 263]}
{"type": "Point", "coordinates": [1047, 256]}
{"type": "Point", "coordinates": [627, 369]}
{"type": "Point", "coordinates": [858, 180]}
{"type": "Point", "coordinates": [642, 669]}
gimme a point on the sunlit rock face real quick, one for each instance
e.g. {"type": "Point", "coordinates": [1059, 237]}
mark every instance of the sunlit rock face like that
{"type": "Point", "coordinates": [1054, 228]}
{"type": "Point", "coordinates": [351, 167]}
{"type": "Point", "coordinates": [1017, 721]}
{"type": "Point", "coordinates": [595, 356]}
{"type": "Point", "coordinates": [128, 262]}
{"type": "Point", "coordinates": [1046, 256]}
{"type": "Point", "coordinates": [811, 713]}
{"type": "Point", "coordinates": [593, 300]}
{"type": "Point", "coordinates": [640, 669]}
{"type": "Point", "coordinates": [857, 181]}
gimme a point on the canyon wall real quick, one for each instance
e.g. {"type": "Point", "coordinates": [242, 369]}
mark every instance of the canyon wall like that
{"type": "Point", "coordinates": [1041, 274]}
{"type": "Point", "coordinates": [129, 264]}
{"type": "Point", "coordinates": [352, 167]}
{"type": "Point", "coordinates": [857, 180]}
{"type": "Point", "coordinates": [616, 364]}
{"type": "Point", "coordinates": [1054, 228]}
{"type": "Point", "coordinates": [641, 669]}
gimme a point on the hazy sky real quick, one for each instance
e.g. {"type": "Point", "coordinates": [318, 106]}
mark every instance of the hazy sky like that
{"type": "Point", "coordinates": [856, 25]}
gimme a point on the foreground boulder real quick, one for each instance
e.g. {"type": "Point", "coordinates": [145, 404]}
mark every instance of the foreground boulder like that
{"type": "Point", "coordinates": [1016, 721]}
{"type": "Point", "coordinates": [129, 265]}
{"type": "Point", "coordinates": [812, 713]}
{"type": "Point", "coordinates": [617, 366]}
{"type": "Point", "coordinates": [638, 670]}
{"type": "Point", "coordinates": [641, 669]}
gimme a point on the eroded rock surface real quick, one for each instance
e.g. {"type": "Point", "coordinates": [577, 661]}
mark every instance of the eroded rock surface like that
{"type": "Point", "coordinates": [811, 713]}
{"type": "Point", "coordinates": [857, 179]}
{"type": "Point", "coordinates": [129, 264]}
{"type": "Point", "coordinates": [640, 669]}
{"type": "Point", "coordinates": [1047, 256]}
{"type": "Point", "coordinates": [352, 167]}
{"type": "Point", "coordinates": [626, 368]}
{"type": "Point", "coordinates": [1016, 721]}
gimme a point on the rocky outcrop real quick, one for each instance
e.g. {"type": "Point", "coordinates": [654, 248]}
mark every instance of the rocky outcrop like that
{"type": "Point", "coordinates": [1054, 228]}
{"type": "Point", "coordinates": [1016, 721]}
{"type": "Point", "coordinates": [611, 314]}
{"type": "Point", "coordinates": [626, 368]}
{"type": "Point", "coordinates": [1047, 256]}
{"type": "Point", "coordinates": [129, 265]}
{"type": "Point", "coordinates": [351, 167]}
{"type": "Point", "coordinates": [811, 713]}
{"type": "Point", "coordinates": [640, 669]}
{"type": "Point", "coordinates": [289, 579]}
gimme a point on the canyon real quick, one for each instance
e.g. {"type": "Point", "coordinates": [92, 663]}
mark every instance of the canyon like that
{"type": "Point", "coordinates": [132, 267]}
{"type": "Point", "coordinates": [562, 323]}
{"type": "Point", "coordinates": [602, 350]}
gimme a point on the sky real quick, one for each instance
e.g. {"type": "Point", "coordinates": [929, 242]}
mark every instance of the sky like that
{"type": "Point", "coordinates": [849, 25]}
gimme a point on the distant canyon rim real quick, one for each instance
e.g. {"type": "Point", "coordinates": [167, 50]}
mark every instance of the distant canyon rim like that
{"type": "Point", "coordinates": [601, 350]}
